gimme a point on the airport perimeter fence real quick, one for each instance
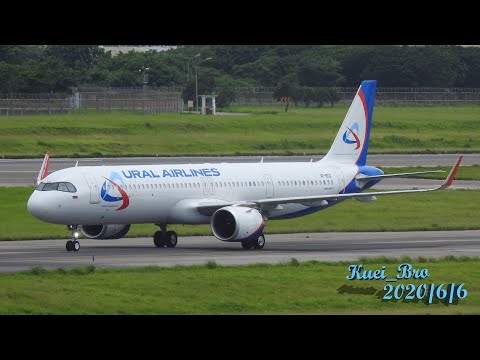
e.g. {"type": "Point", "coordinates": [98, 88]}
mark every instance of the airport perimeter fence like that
{"type": "Point", "coordinates": [169, 100]}
{"type": "Point", "coordinates": [384, 96]}
{"type": "Point", "coordinates": [134, 100]}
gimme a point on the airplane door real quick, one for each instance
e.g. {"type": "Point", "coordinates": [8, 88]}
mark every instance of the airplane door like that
{"type": "Point", "coordinates": [341, 181]}
{"type": "Point", "coordinates": [208, 188]}
{"type": "Point", "coordinates": [268, 185]}
{"type": "Point", "coordinates": [94, 189]}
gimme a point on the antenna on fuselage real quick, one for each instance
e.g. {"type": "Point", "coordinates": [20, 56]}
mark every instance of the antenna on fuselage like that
{"type": "Point", "coordinates": [76, 164]}
{"type": "Point", "coordinates": [261, 161]}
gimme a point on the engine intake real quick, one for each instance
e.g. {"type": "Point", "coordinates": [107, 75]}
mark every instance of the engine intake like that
{"type": "Point", "coordinates": [114, 231]}
{"type": "Point", "coordinates": [236, 223]}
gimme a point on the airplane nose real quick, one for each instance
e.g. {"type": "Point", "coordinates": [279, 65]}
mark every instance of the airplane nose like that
{"type": "Point", "coordinates": [34, 206]}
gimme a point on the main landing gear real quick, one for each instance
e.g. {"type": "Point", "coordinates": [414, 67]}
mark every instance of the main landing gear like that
{"type": "Point", "coordinates": [73, 245]}
{"type": "Point", "coordinates": [257, 243]}
{"type": "Point", "coordinates": [164, 238]}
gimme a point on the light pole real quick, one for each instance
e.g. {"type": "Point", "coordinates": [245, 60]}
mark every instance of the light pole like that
{"type": "Point", "coordinates": [196, 84]}
{"type": "Point", "coordinates": [188, 66]}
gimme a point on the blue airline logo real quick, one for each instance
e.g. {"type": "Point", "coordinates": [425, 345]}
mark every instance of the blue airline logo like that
{"type": "Point", "coordinates": [114, 176]}
{"type": "Point", "coordinates": [143, 174]}
{"type": "Point", "coordinates": [347, 133]}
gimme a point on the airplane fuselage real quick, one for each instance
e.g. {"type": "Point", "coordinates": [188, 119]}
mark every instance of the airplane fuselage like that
{"type": "Point", "coordinates": [161, 193]}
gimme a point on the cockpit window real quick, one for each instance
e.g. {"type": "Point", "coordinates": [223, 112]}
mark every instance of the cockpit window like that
{"type": "Point", "coordinates": [71, 188]}
{"type": "Point", "coordinates": [50, 186]}
{"type": "Point", "coordinates": [60, 186]}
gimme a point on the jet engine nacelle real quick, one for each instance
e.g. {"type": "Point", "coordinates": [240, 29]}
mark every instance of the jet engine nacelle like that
{"type": "Point", "coordinates": [236, 223]}
{"type": "Point", "coordinates": [114, 231]}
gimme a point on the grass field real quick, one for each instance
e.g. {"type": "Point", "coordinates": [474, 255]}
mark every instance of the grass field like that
{"type": "Point", "coordinates": [442, 210]}
{"type": "Point", "coordinates": [294, 288]}
{"type": "Point", "coordinates": [267, 131]}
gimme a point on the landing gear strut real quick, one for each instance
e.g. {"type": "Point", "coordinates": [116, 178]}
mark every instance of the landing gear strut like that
{"type": "Point", "coordinates": [257, 243]}
{"type": "Point", "coordinates": [164, 238]}
{"type": "Point", "coordinates": [73, 245]}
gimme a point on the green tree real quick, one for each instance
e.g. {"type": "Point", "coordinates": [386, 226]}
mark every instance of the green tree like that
{"type": "Point", "coordinates": [225, 97]}
{"type": "Point", "coordinates": [76, 56]}
{"type": "Point", "coordinates": [287, 87]}
{"type": "Point", "coordinates": [319, 71]}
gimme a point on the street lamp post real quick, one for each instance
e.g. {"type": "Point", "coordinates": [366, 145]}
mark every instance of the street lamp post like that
{"type": "Point", "coordinates": [188, 66]}
{"type": "Point", "coordinates": [196, 83]}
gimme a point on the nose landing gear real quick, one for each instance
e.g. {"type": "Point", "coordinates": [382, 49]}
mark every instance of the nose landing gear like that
{"type": "Point", "coordinates": [73, 245]}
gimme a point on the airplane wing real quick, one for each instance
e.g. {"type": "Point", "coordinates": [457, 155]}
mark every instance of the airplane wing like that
{"type": "Point", "coordinates": [361, 177]}
{"type": "Point", "coordinates": [306, 199]}
{"type": "Point", "coordinates": [43, 169]}
{"type": "Point", "coordinates": [208, 206]}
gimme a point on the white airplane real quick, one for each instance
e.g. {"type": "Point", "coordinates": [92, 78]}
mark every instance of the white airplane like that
{"type": "Point", "coordinates": [235, 199]}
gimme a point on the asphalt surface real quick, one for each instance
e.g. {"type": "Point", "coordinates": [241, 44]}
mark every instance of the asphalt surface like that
{"type": "Point", "coordinates": [22, 172]}
{"type": "Point", "coordinates": [22, 255]}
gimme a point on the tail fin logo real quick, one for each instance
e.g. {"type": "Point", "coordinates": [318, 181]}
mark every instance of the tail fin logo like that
{"type": "Point", "coordinates": [354, 133]}
{"type": "Point", "coordinates": [104, 193]}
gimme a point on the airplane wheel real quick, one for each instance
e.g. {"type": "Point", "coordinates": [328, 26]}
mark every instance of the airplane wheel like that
{"type": "Point", "coordinates": [247, 245]}
{"type": "Point", "coordinates": [259, 243]}
{"type": "Point", "coordinates": [158, 240]}
{"type": "Point", "coordinates": [69, 245]}
{"type": "Point", "coordinates": [76, 245]}
{"type": "Point", "coordinates": [171, 239]}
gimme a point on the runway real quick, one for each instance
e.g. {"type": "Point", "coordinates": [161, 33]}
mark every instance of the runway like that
{"type": "Point", "coordinates": [22, 172]}
{"type": "Point", "coordinates": [22, 255]}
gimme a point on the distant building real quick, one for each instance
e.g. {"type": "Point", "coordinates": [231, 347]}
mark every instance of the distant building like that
{"type": "Point", "coordinates": [117, 49]}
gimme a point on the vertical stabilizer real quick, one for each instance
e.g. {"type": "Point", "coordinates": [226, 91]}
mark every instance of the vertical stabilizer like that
{"type": "Point", "coordinates": [351, 144]}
